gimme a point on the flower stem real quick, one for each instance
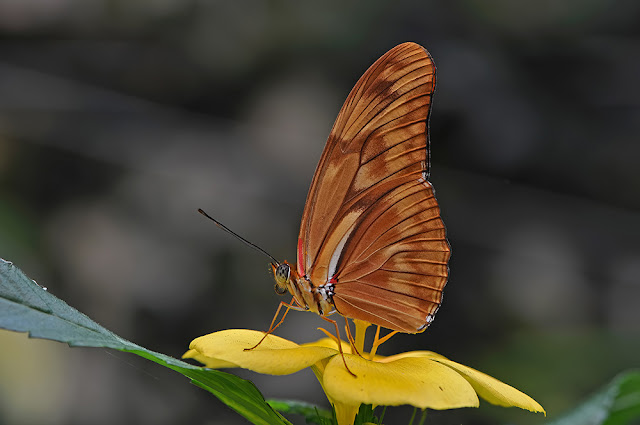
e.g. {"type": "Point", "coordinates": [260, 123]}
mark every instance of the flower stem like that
{"type": "Point", "coordinates": [413, 415]}
{"type": "Point", "coordinates": [423, 417]}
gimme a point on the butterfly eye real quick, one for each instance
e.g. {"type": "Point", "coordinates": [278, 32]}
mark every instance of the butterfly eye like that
{"type": "Point", "coordinates": [281, 273]}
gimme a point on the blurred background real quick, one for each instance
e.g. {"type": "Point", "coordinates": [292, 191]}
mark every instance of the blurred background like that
{"type": "Point", "coordinates": [119, 119]}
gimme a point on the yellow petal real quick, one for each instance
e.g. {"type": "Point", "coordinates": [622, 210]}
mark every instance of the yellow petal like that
{"type": "Point", "coordinates": [487, 387]}
{"type": "Point", "coordinates": [394, 357]}
{"type": "Point", "coordinates": [274, 356]}
{"type": "Point", "coordinates": [327, 342]}
{"type": "Point", "coordinates": [418, 381]}
{"type": "Point", "coordinates": [206, 361]}
{"type": "Point", "coordinates": [492, 390]}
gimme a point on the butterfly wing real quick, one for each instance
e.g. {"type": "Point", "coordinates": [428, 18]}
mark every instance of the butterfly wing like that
{"type": "Point", "coordinates": [371, 224]}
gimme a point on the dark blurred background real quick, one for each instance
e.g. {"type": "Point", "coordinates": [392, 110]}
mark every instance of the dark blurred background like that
{"type": "Point", "coordinates": [118, 119]}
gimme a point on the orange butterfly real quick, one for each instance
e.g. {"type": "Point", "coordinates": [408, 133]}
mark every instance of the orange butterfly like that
{"type": "Point", "coordinates": [372, 245]}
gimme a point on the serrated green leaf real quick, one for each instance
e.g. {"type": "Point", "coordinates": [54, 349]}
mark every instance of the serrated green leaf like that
{"type": "Point", "coordinates": [617, 403]}
{"type": "Point", "coordinates": [27, 307]}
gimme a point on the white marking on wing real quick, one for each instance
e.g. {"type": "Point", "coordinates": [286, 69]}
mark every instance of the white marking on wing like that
{"type": "Point", "coordinates": [333, 263]}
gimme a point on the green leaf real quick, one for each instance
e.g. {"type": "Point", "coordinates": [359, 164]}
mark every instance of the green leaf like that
{"type": "Point", "coordinates": [617, 403]}
{"type": "Point", "coordinates": [27, 307]}
{"type": "Point", "coordinates": [312, 414]}
{"type": "Point", "coordinates": [365, 415]}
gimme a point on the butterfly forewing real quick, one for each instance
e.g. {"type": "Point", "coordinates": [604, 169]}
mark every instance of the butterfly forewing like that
{"type": "Point", "coordinates": [371, 224]}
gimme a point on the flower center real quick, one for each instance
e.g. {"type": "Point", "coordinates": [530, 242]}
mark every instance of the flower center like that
{"type": "Point", "coordinates": [357, 344]}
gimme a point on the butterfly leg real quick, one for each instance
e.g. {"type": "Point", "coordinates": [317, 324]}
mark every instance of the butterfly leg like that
{"type": "Point", "coordinates": [290, 306]}
{"type": "Point", "coordinates": [339, 343]}
{"type": "Point", "coordinates": [352, 341]}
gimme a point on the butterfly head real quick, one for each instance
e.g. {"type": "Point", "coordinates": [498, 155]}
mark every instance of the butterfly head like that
{"type": "Point", "coordinates": [282, 274]}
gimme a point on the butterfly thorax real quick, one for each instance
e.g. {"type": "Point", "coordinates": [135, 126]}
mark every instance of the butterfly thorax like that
{"type": "Point", "coordinates": [308, 296]}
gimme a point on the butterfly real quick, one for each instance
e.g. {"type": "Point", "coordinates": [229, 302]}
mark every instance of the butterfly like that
{"type": "Point", "coordinates": [372, 245]}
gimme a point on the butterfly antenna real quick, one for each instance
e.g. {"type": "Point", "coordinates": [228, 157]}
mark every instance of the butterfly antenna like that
{"type": "Point", "coordinates": [226, 229]}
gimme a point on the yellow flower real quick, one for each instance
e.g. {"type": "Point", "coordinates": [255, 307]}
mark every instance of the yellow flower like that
{"type": "Point", "coordinates": [420, 378]}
